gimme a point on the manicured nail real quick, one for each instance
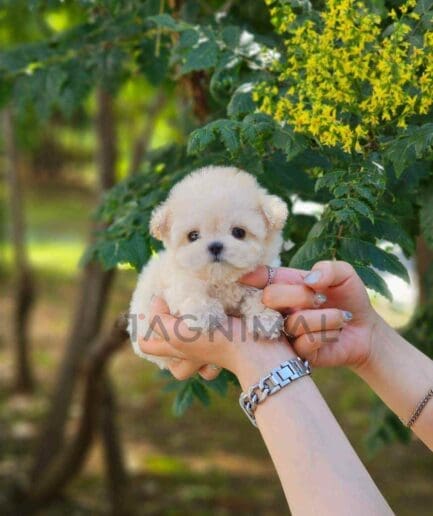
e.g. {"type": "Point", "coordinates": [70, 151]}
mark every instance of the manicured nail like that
{"type": "Point", "coordinates": [347, 316]}
{"type": "Point", "coordinates": [319, 299]}
{"type": "Point", "coordinates": [313, 277]}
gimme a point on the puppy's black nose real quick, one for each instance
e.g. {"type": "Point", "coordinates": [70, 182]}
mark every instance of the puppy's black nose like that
{"type": "Point", "coordinates": [215, 248]}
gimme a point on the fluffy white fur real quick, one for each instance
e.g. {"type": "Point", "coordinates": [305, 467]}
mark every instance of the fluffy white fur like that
{"type": "Point", "coordinates": [212, 201]}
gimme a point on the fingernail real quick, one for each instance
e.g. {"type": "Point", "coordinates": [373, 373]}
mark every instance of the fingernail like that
{"type": "Point", "coordinates": [313, 277]}
{"type": "Point", "coordinates": [347, 316]}
{"type": "Point", "coordinates": [319, 299]}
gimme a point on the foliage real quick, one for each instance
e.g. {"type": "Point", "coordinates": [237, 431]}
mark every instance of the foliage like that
{"type": "Point", "coordinates": [324, 101]}
{"type": "Point", "coordinates": [197, 388]}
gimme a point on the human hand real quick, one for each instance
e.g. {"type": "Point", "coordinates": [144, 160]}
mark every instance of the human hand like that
{"type": "Point", "coordinates": [341, 331]}
{"type": "Point", "coordinates": [338, 333]}
{"type": "Point", "coordinates": [188, 351]}
{"type": "Point", "coordinates": [231, 348]}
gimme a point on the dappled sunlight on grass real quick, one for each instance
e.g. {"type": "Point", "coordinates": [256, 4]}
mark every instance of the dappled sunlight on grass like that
{"type": "Point", "coordinates": [53, 257]}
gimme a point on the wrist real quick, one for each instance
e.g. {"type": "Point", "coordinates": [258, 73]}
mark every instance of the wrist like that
{"type": "Point", "coordinates": [380, 336]}
{"type": "Point", "coordinates": [258, 358]}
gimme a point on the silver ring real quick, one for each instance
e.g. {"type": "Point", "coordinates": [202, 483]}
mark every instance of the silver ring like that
{"type": "Point", "coordinates": [214, 367]}
{"type": "Point", "coordinates": [289, 336]}
{"type": "Point", "coordinates": [271, 275]}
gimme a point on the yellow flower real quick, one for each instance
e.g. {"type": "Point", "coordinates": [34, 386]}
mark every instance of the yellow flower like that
{"type": "Point", "coordinates": [340, 67]}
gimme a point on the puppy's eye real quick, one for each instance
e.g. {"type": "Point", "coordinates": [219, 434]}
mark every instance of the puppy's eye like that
{"type": "Point", "coordinates": [238, 233]}
{"type": "Point", "coordinates": [193, 235]}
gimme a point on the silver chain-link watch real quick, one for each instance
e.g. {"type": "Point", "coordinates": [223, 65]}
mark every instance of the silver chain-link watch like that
{"type": "Point", "coordinates": [286, 373]}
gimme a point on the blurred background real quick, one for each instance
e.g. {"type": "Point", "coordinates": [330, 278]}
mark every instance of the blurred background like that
{"type": "Point", "coordinates": [133, 454]}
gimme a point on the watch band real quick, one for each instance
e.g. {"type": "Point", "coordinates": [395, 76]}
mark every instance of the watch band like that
{"type": "Point", "coordinates": [286, 373]}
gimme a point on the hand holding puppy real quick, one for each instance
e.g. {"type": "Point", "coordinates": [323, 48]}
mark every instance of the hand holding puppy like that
{"type": "Point", "coordinates": [340, 332]}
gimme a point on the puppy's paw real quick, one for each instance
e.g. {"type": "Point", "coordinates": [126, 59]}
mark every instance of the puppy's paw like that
{"type": "Point", "coordinates": [267, 324]}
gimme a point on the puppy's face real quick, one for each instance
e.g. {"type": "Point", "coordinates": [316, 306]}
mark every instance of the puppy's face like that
{"type": "Point", "coordinates": [218, 223]}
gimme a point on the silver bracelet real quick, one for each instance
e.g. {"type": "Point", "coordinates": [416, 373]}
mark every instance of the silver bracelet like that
{"type": "Point", "coordinates": [419, 408]}
{"type": "Point", "coordinates": [286, 373]}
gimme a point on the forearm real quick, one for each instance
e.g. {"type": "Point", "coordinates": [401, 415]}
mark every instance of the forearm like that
{"type": "Point", "coordinates": [401, 375]}
{"type": "Point", "coordinates": [319, 471]}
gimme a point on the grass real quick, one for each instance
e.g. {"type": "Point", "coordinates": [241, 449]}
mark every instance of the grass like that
{"type": "Point", "coordinates": [211, 461]}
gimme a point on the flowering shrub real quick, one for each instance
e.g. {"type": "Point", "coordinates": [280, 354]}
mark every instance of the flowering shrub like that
{"type": "Point", "coordinates": [343, 79]}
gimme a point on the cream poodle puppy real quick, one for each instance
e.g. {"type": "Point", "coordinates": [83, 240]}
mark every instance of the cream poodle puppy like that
{"type": "Point", "coordinates": [216, 225]}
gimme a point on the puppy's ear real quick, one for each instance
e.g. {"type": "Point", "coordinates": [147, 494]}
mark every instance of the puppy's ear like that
{"type": "Point", "coordinates": [159, 221]}
{"type": "Point", "coordinates": [275, 211]}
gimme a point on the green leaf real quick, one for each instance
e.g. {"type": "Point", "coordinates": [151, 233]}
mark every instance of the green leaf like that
{"type": "Point", "coordinates": [199, 140]}
{"type": "Point", "coordinates": [200, 392]}
{"type": "Point", "coordinates": [188, 39]}
{"type": "Point", "coordinates": [231, 35]}
{"type": "Point", "coordinates": [241, 103]}
{"type": "Point", "coordinates": [290, 143]}
{"type": "Point", "coordinates": [341, 190]}
{"type": "Point", "coordinates": [413, 144]}
{"type": "Point", "coordinates": [361, 208]}
{"type": "Point", "coordinates": [330, 179]}
{"type": "Point", "coordinates": [107, 253]}
{"type": "Point", "coordinates": [227, 131]}
{"type": "Point", "coordinates": [338, 204]}
{"type": "Point", "coordinates": [229, 136]}
{"type": "Point", "coordinates": [372, 280]}
{"type": "Point", "coordinates": [202, 56]}
{"type": "Point", "coordinates": [365, 253]}
{"type": "Point", "coordinates": [385, 227]}
{"type": "Point", "coordinates": [364, 193]}
{"type": "Point", "coordinates": [134, 251]}
{"type": "Point", "coordinates": [317, 230]}
{"type": "Point", "coordinates": [312, 251]}
{"type": "Point", "coordinates": [256, 129]}
{"type": "Point", "coordinates": [165, 21]}
{"type": "Point", "coordinates": [183, 399]}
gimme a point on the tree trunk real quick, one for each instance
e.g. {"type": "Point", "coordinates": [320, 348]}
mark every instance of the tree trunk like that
{"type": "Point", "coordinates": [24, 287]}
{"type": "Point", "coordinates": [67, 463]}
{"type": "Point", "coordinates": [117, 478]}
{"type": "Point", "coordinates": [424, 262]}
{"type": "Point", "coordinates": [91, 303]}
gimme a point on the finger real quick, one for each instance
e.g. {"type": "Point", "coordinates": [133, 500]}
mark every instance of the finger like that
{"type": "Point", "coordinates": [312, 358]}
{"type": "Point", "coordinates": [209, 372]}
{"type": "Point", "coordinates": [307, 321]}
{"type": "Point", "coordinates": [158, 305]}
{"type": "Point", "coordinates": [307, 344]}
{"type": "Point", "coordinates": [170, 328]}
{"type": "Point", "coordinates": [259, 278]}
{"type": "Point", "coordinates": [159, 348]}
{"type": "Point", "coordinates": [281, 297]}
{"type": "Point", "coordinates": [329, 273]}
{"type": "Point", "coordinates": [183, 369]}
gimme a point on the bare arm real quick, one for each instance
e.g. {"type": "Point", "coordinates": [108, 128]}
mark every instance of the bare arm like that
{"type": "Point", "coordinates": [319, 470]}
{"type": "Point", "coordinates": [401, 375]}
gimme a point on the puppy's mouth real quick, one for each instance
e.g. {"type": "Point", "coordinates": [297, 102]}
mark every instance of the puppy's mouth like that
{"type": "Point", "coordinates": [217, 259]}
